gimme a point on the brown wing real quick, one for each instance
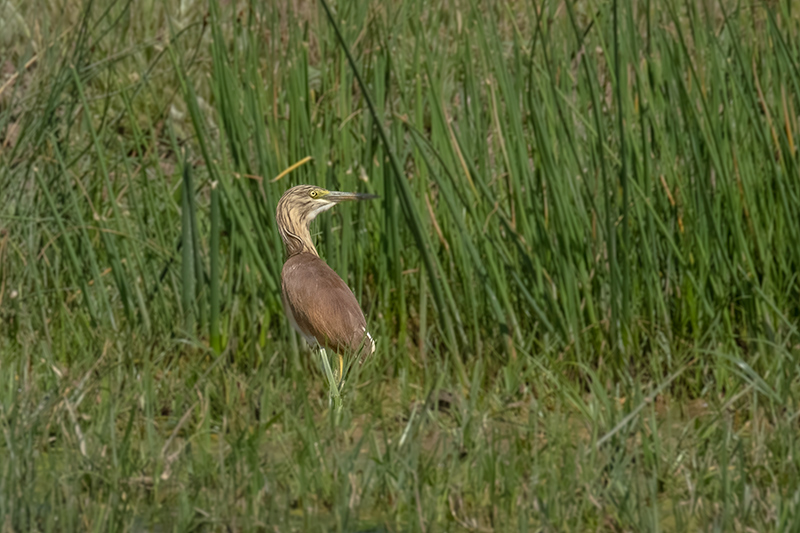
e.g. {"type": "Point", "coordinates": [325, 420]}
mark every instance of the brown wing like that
{"type": "Point", "coordinates": [323, 306]}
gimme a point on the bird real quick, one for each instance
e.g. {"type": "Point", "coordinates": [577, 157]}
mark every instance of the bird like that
{"type": "Point", "coordinates": [318, 303]}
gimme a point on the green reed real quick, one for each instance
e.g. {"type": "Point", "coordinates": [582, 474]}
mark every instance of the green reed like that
{"type": "Point", "coordinates": [581, 272]}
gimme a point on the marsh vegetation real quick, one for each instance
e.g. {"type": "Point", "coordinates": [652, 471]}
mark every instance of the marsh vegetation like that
{"type": "Point", "coordinates": [581, 274]}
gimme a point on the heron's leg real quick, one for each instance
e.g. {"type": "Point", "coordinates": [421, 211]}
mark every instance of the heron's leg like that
{"type": "Point", "coordinates": [341, 372]}
{"type": "Point", "coordinates": [337, 399]}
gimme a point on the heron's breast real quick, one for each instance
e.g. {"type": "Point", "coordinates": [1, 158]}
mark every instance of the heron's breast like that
{"type": "Point", "coordinates": [321, 306]}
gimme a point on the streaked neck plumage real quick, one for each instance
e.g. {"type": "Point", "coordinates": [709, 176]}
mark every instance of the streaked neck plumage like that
{"type": "Point", "coordinates": [293, 221]}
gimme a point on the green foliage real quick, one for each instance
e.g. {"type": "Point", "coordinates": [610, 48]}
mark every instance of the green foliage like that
{"type": "Point", "coordinates": [581, 273]}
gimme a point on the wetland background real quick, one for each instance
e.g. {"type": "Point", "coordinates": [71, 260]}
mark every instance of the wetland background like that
{"type": "Point", "coordinates": [582, 271]}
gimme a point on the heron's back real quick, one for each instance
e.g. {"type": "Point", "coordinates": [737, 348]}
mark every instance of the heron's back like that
{"type": "Point", "coordinates": [322, 307]}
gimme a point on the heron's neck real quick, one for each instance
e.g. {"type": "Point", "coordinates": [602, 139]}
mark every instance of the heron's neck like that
{"type": "Point", "coordinates": [297, 240]}
{"type": "Point", "coordinates": [295, 234]}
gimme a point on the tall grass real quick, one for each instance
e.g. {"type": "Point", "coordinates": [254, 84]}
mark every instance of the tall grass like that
{"type": "Point", "coordinates": [582, 272]}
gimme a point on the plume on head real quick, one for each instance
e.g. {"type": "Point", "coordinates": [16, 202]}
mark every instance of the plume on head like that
{"type": "Point", "coordinates": [299, 206]}
{"type": "Point", "coordinates": [296, 209]}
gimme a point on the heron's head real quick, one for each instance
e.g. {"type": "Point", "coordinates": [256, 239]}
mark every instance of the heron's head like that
{"type": "Point", "coordinates": [301, 204]}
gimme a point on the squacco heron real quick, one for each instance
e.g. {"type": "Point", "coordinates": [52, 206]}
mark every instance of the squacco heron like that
{"type": "Point", "coordinates": [319, 305]}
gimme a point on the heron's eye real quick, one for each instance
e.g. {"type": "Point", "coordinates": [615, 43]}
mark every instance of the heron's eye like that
{"type": "Point", "coordinates": [314, 194]}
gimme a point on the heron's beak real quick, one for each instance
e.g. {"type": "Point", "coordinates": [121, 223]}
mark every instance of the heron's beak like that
{"type": "Point", "coordinates": [336, 196]}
